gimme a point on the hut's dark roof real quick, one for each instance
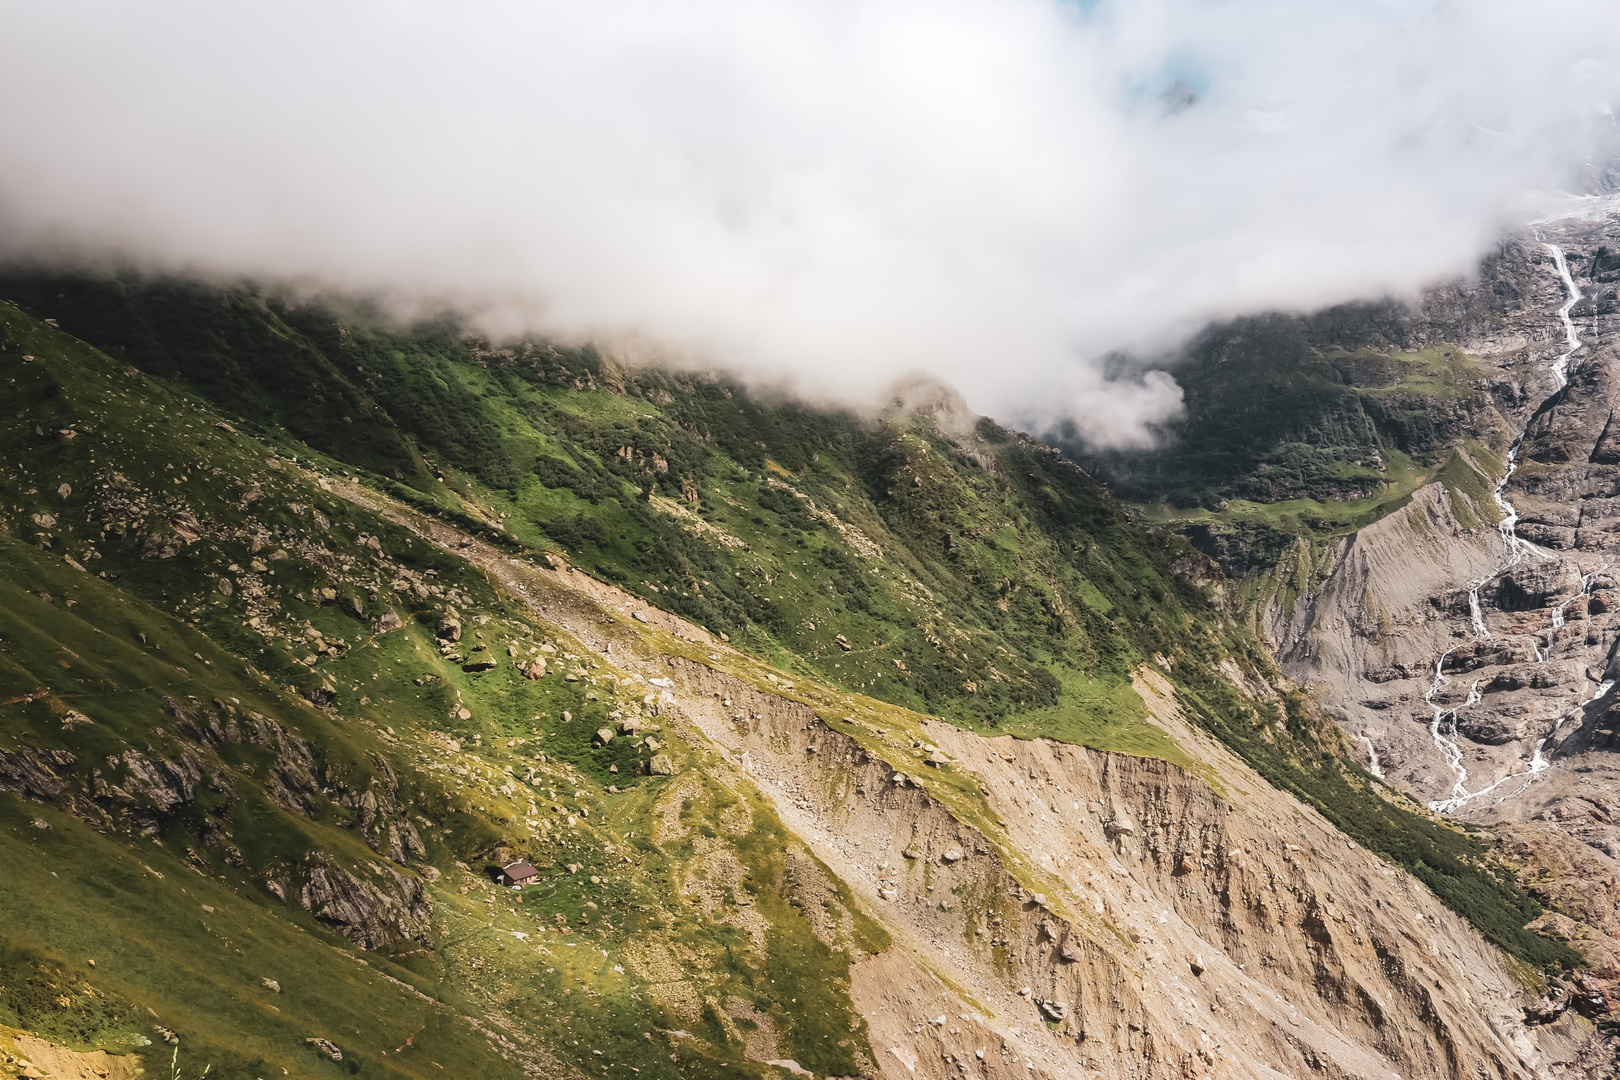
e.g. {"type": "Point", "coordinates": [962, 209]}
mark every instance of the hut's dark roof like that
{"type": "Point", "coordinates": [521, 870]}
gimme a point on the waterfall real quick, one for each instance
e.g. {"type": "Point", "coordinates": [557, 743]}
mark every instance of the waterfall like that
{"type": "Point", "coordinates": [1515, 550]}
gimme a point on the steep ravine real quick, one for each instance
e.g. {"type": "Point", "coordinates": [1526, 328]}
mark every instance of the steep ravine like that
{"type": "Point", "coordinates": [1059, 912]}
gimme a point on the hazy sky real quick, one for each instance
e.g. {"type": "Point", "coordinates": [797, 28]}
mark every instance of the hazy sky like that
{"type": "Point", "coordinates": [823, 193]}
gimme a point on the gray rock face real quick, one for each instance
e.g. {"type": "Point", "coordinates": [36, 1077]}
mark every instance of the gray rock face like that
{"type": "Point", "coordinates": [298, 780]}
{"type": "Point", "coordinates": [34, 773]}
{"type": "Point", "coordinates": [373, 916]}
{"type": "Point", "coordinates": [383, 820]}
{"type": "Point", "coordinates": [168, 785]}
{"type": "Point", "coordinates": [292, 781]}
{"type": "Point", "coordinates": [1476, 665]}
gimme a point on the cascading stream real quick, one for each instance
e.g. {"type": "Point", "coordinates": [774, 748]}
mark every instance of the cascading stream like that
{"type": "Point", "coordinates": [1515, 548]}
{"type": "Point", "coordinates": [1374, 765]}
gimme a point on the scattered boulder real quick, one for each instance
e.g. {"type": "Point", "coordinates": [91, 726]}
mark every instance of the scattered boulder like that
{"type": "Point", "coordinates": [327, 1047]}
{"type": "Point", "coordinates": [272, 986]}
{"type": "Point", "coordinates": [842, 642]}
{"type": "Point", "coordinates": [535, 669]}
{"type": "Point", "coordinates": [449, 628]}
{"type": "Point", "coordinates": [166, 540]}
{"type": "Point", "coordinates": [1054, 1010]}
{"type": "Point", "coordinates": [478, 664]}
{"type": "Point", "coordinates": [952, 854]}
{"type": "Point", "coordinates": [385, 623]}
{"type": "Point", "coordinates": [603, 736]}
{"type": "Point", "coordinates": [1549, 1006]}
{"type": "Point", "coordinates": [661, 765]}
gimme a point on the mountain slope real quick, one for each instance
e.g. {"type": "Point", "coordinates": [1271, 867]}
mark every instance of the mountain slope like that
{"type": "Point", "coordinates": [206, 669]}
{"type": "Point", "coordinates": [312, 693]}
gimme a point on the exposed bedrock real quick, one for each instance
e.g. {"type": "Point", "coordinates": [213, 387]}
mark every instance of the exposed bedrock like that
{"type": "Point", "coordinates": [1476, 666]}
{"type": "Point", "coordinates": [1119, 914]}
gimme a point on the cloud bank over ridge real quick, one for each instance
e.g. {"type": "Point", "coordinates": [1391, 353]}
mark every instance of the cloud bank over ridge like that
{"type": "Point", "coordinates": [826, 194]}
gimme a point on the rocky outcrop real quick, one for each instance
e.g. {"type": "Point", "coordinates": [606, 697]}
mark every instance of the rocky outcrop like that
{"type": "Point", "coordinates": [383, 820]}
{"type": "Point", "coordinates": [38, 774]}
{"type": "Point", "coordinates": [298, 779]}
{"type": "Point", "coordinates": [373, 916]}
{"type": "Point", "coordinates": [292, 779]}
{"type": "Point", "coordinates": [150, 789]}
{"type": "Point", "coordinates": [166, 785]}
{"type": "Point", "coordinates": [1571, 425]}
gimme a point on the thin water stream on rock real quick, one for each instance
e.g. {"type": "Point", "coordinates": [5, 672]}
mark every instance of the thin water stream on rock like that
{"type": "Point", "coordinates": [1515, 549]}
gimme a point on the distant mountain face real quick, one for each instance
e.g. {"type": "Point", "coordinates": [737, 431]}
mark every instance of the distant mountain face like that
{"type": "Point", "coordinates": [1318, 424]}
{"type": "Point", "coordinates": [885, 746]}
{"type": "Point", "coordinates": [1421, 510]}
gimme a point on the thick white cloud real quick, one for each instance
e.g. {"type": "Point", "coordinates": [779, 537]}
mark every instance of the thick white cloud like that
{"type": "Point", "coordinates": [824, 193]}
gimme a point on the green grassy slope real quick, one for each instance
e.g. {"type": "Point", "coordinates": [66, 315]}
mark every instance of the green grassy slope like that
{"type": "Point", "coordinates": [1007, 591]}
{"type": "Point", "coordinates": [227, 697]}
{"type": "Point", "coordinates": [1311, 426]}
